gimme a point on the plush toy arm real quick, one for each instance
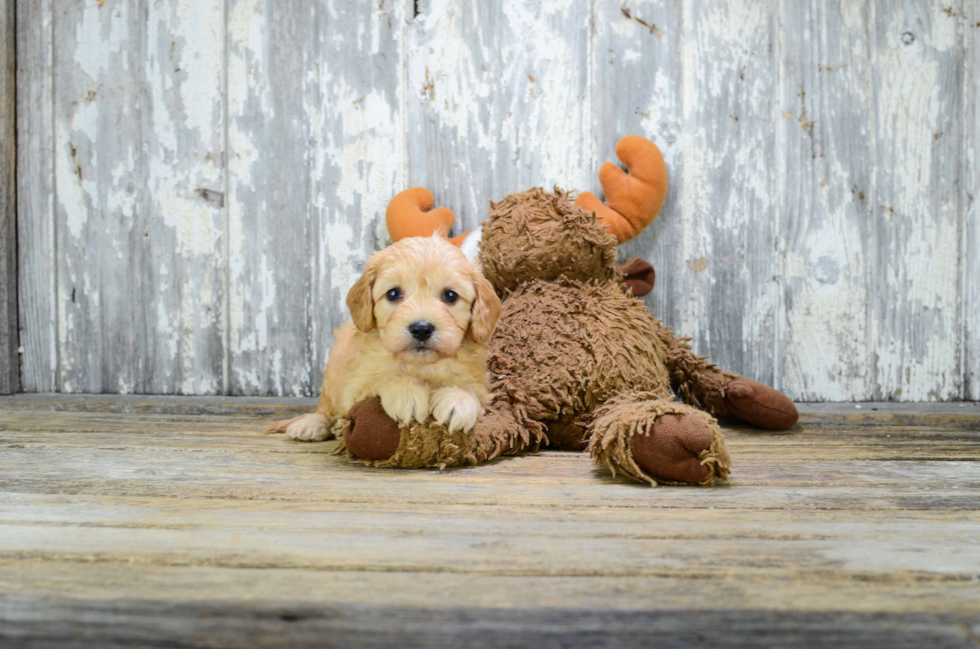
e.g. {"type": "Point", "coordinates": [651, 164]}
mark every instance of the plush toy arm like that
{"type": "Point", "coordinates": [409, 214]}
{"type": "Point", "coordinates": [374, 436]}
{"type": "Point", "coordinates": [703, 385]}
{"type": "Point", "coordinates": [633, 199]}
{"type": "Point", "coordinates": [696, 381]}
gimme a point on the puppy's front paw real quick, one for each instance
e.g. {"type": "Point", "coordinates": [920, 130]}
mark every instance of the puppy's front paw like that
{"type": "Point", "coordinates": [456, 408]}
{"type": "Point", "coordinates": [405, 402]}
{"type": "Point", "coordinates": [309, 428]}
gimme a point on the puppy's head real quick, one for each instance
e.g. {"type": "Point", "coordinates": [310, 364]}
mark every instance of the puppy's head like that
{"type": "Point", "coordinates": [424, 298]}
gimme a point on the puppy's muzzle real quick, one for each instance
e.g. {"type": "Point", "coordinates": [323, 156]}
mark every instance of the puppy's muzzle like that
{"type": "Point", "coordinates": [421, 330]}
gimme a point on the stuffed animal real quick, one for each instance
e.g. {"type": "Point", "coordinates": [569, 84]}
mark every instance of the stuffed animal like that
{"type": "Point", "coordinates": [576, 361]}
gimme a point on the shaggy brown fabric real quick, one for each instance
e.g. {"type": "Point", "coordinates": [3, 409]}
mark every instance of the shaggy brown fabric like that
{"type": "Point", "coordinates": [539, 235]}
{"type": "Point", "coordinates": [701, 384]}
{"type": "Point", "coordinates": [562, 348]}
{"type": "Point", "coordinates": [431, 446]}
{"type": "Point", "coordinates": [696, 381]}
{"type": "Point", "coordinates": [620, 420]}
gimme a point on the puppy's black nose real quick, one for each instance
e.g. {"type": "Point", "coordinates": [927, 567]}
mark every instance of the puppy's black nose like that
{"type": "Point", "coordinates": [421, 331]}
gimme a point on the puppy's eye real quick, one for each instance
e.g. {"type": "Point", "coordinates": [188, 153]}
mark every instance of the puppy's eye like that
{"type": "Point", "coordinates": [449, 296]}
{"type": "Point", "coordinates": [394, 295]}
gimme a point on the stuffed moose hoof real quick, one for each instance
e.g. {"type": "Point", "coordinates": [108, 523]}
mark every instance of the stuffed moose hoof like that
{"type": "Point", "coordinates": [372, 434]}
{"type": "Point", "coordinates": [671, 449]}
{"type": "Point", "coordinates": [760, 405]}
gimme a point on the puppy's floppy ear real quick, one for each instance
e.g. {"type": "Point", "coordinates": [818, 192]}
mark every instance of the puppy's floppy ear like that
{"type": "Point", "coordinates": [360, 302]}
{"type": "Point", "coordinates": [486, 308]}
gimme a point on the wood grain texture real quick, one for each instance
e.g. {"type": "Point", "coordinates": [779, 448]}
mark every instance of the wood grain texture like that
{"type": "Point", "coordinates": [314, 156]}
{"type": "Point", "coordinates": [98, 190]}
{"type": "Point", "coordinates": [498, 100]}
{"type": "Point", "coordinates": [827, 144]}
{"type": "Point", "coordinates": [36, 228]}
{"type": "Point", "coordinates": [9, 356]}
{"type": "Point", "coordinates": [971, 177]}
{"type": "Point", "coordinates": [137, 160]}
{"type": "Point", "coordinates": [199, 190]}
{"type": "Point", "coordinates": [918, 232]}
{"type": "Point", "coordinates": [137, 624]}
{"type": "Point", "coordinates": [270, 238]}
{"type": "Point", "coordinates": [188, 526]}
{"type": "Point", "coordinates": [729, 199]}
{"type": "Point", "coordinates": [183, 204]}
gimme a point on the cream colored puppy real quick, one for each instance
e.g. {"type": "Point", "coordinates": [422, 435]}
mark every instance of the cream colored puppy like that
{"type": "Point", "coordinates": [421, 316]}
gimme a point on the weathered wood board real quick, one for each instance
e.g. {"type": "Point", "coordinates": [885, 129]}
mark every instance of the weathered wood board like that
{"type": "Point", "coordinates": [498, 100]}
{"type": "Point", "coordinates": [202, 181]}
{"type": "Point", "coordinates": [827, 121]}
{"type": "Point", "coordinates": [131, 520]}
{"type": "Point", "coordinates": [971, 177]}
{"type": "Point", "coordinates": [9, 358]}
{"type": "Point", "coordinates": [316, 148]}
{"type": "Point", "coordinates": [36, 252]}
{"type": "Point", "coordinates": [138, 178]}
{"type": "Point", "coordinates": [919, 199]}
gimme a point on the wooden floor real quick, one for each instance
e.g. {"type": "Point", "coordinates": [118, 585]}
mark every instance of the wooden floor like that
{"type": "Point", "coordinates": [170, 522]}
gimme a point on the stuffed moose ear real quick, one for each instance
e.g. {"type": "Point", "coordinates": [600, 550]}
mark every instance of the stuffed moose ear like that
{"type": "Point", "coordinates": [410, 214]}
{"type": "Point", "coordinates": [633, 197]}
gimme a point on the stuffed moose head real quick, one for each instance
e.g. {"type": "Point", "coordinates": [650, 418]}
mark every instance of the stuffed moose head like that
{"type": "Point", "coordinates": [576, 361]}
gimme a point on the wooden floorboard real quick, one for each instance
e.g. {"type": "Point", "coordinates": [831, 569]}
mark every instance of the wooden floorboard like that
{"type": "Point", "coordinates": [145, 521]}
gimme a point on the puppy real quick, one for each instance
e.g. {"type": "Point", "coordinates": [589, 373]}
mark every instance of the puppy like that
{"type": "Point", "coordinates": [421, 317]}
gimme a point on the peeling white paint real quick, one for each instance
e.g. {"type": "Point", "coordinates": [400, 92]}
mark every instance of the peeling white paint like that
{"type": "Point", "coordinates": [917, 343]}
{"type": "Point", "coordinates": [508, 112]}
{"type": "Point", "coordinates": [99, 37]}
{"type": "Point", "coordinates": [728, 203]}
{"type": "Point", "coordinates": [821, 162]}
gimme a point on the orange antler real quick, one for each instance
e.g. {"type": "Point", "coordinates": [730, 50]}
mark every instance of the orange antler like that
{"type": "Point", "coordinates": [409, 215]}
{"type": "Point", "coordinates": [634, 198]}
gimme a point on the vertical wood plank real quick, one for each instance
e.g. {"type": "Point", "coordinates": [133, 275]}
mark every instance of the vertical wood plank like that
{"type": "Point", "coordinates": [828, 158]}
{"type": "Point", "coordinates": [315, 143]}
{"type": "Point", "coordinates": [729, 200]}
{"type": "Point", "coordinates": [637, 82]}
{"type": "Point", "coordinates": [98, 188]}
{"type": "Point", "coordinates": [359, 152]}
{"type": "Point", "coordinates": [137, 169]}
{"type": "Point", "coordinates": [270, 225]}
{"type": "Point", "coordinates": [9, 359]}
{"type": "Point", "coordinates": [971, 200]}
{"type": "Point", "coordinates": [919, 69]}
{"type": "Point", "coordinates": [183, 203]}
{"type": "Point", "coordinates": [498, 100]}
{"type": "Point", "coordinates": [37, 259]}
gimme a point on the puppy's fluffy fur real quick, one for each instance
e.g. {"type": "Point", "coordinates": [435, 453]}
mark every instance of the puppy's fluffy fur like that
{"type": "Point", "coordinates": [417, 280]}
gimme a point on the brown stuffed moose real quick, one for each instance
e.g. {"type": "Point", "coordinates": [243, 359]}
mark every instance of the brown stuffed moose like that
{"type": "Point", "coordinates": [576, 361]}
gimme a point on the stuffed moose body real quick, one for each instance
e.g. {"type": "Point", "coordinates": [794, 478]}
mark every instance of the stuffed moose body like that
{"type": "Point", "coordinates": [576, 361]}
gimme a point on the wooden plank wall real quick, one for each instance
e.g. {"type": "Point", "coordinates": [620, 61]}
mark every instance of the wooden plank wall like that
{"type": "Point", "coordinates": [202, 180]}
